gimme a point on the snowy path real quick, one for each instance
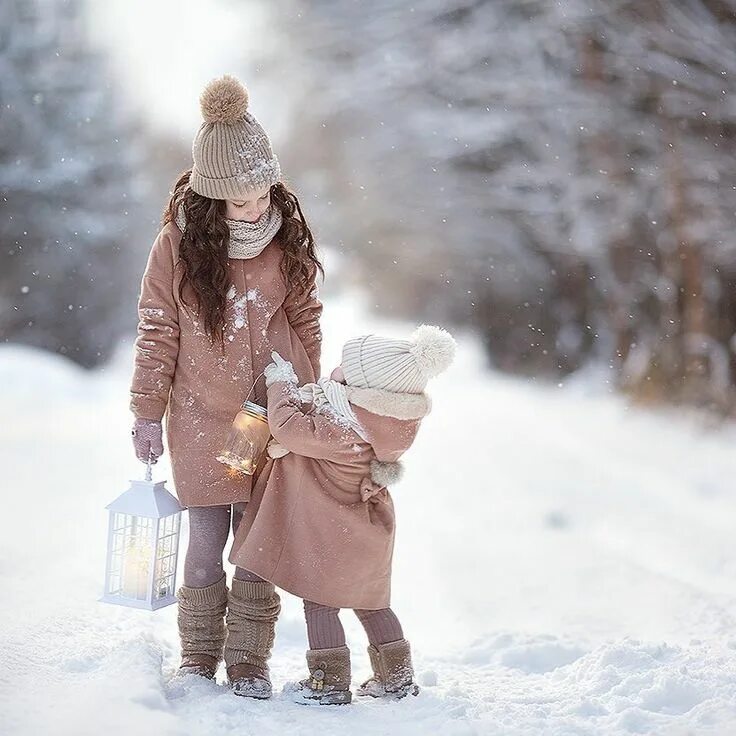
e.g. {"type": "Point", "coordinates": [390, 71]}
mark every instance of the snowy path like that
{"type": "Point", "coordinates": [573, 574]}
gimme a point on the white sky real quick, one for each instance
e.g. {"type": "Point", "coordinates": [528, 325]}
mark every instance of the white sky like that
{"type": "Point", "coordinates": [165, 51]}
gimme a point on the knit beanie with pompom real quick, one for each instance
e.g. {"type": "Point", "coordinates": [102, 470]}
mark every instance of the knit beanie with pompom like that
{"type": "Point", "coordinates": [401, 366]}
{"type": "Point", "coordinates": [231, 151]}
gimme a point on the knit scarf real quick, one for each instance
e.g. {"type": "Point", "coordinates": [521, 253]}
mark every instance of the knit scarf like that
{"type": "Point", "coordinates": [330, 395]}
{"type": "Point", "coordinates": [247, 239]}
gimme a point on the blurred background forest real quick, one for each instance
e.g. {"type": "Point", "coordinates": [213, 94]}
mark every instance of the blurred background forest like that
{"type": "Point", "coordinates": [557, 177]}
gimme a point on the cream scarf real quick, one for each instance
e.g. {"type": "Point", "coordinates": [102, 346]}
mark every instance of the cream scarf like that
{"type": "Point", "coordinates": [331, 395]}
{"type": "Point", "coordinates": [247, 239]}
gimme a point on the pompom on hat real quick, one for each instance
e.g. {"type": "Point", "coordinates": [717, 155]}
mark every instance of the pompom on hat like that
{"type": "Point", "coordinates": [232, 154]}
{"type": "Point", "coordinates": [401, 366]}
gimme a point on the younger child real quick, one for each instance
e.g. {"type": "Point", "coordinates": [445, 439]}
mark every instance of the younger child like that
{"type": "Point", "coordinates": [320, 523]}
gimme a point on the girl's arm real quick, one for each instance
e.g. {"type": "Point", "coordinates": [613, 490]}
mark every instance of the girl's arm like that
{"type": "Point", "coordinates": [157, 344]}
{"type": "Point", "coordinates": [311, 435]}
{"type": "Point", "coordinates": [303, 310]}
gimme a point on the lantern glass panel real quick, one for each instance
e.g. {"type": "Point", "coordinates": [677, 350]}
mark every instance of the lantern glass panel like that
{"type": "Point", "coordinates": [117, 547]}
{"type": "Point", "coordinates": [166, 556]}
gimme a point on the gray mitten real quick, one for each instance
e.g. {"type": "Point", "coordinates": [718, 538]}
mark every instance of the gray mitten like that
{"type": "Point", "coordinates": [147, 440]}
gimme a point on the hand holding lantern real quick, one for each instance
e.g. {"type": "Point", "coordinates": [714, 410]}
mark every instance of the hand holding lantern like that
{"type": "Point", "coordinates": [147, 440]}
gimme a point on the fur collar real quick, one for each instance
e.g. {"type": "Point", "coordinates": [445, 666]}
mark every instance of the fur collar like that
{"type": "Point", "coordinates": [390, 403]}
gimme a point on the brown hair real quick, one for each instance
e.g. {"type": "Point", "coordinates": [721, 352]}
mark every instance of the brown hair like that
{"type": "Point", "coordinates": [203, 252]}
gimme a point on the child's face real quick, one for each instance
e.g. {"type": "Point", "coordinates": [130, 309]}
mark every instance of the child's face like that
{"type": "Point", "coordinates": [249, 209]}
{"type": "Point", "coordinates": [338, 375]}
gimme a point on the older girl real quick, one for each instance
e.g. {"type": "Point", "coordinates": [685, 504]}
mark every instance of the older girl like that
{"type": "Point", "coordinates": [230, 277]}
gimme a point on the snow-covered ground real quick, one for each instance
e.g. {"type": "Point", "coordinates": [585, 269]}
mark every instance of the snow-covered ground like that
{"type": "Point", "coordinates": [565, 565]}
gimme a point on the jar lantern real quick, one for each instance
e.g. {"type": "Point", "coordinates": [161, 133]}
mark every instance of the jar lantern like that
{"type": "Point", "coordinates": [247, 439]}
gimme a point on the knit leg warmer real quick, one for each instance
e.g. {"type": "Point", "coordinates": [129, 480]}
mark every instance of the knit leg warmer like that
{"type": "Point", "coordinates": [201, 624]}
{"type": "Point", "coordinates": [251, 623]}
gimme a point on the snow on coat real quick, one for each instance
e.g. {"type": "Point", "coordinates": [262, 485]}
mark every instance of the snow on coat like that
{"type": "Point", "coordinates": [321, 522]}
{"type": "Point", "coordinates": [181, 373]}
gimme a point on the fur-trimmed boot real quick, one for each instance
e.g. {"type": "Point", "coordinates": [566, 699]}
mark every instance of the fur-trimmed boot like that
{"type": "Point", "coordinates": [251, 629]}
{"type": "Point", "coordinates": [393, 674]}
{"type": "Point", "coordinates": [329, 678]}
{"type": "Point", "coordinates": [201, 620]}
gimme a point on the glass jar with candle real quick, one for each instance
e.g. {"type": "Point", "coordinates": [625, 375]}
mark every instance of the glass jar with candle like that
{"type": "Point", "coordinates": [247, 439]}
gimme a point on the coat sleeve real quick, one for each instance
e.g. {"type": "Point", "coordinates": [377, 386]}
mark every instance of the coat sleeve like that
{"type": "Point", "coordinates": [157, 344]}
{"type": "Point", "coordinates": [311, 435]}
{"type": "Point", "coordinates": [303, 310]}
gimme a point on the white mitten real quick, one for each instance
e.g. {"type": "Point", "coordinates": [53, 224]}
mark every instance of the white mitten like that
{"type": "Point", "coordinates": [275, 450]}
{"type": "Point", "coordinates": [279, 370]}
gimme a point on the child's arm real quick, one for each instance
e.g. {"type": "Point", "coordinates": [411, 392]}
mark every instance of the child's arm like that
{"type": "Point", "coordinates": [311, 435]}
{"type": "Point", "coordinates": [303, 310]}
{"type": "Point", "coordinates": [157, 344]}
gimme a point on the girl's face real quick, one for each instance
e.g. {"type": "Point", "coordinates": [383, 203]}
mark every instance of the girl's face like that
{"type": "Point", "coordinates": [248, 209]}
{"type": "Point", "coordinates": [338, 375]}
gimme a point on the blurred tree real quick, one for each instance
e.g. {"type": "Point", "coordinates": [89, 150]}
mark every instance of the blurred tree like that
{"type": "Point", "coordinates": [70, 195]}
{"type": "Point", "coordinates": [662, 72]}
{"type": "Point", "coordinates": [557, 175]}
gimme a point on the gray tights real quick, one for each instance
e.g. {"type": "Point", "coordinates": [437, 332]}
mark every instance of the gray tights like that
{"type": "Point", "coordinates": [209, 527]}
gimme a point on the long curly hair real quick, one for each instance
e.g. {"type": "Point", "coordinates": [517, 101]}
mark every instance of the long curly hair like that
{"type": "Point", "coordinates": [203, 253]}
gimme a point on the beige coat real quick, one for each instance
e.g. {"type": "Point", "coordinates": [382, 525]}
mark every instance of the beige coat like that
{"type": "Point", "coordinates": [320, 523]}
{"type": "Point", "coordinates": [178, 371]}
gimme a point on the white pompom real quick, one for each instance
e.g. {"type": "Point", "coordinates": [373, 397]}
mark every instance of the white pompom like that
{"type": "Point", "coordinates": [433, 349]}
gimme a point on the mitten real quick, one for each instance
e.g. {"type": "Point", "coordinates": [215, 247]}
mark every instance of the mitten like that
{"type": "Point", "coordinates": [279, 370]}
{"type": "Point", "coordinates": [147, 440]}
{"type": "Point", "coordinates": [275, 450]}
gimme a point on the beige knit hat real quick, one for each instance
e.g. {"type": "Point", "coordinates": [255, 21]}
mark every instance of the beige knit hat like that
{"type": "Point", "coordinates": [401, 366]}
{"type": "Point", "coordinates": [231, 151]}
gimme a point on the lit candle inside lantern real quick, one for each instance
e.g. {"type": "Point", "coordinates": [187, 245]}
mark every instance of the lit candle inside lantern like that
{"type": "Point", "coordinates": [136, 565]}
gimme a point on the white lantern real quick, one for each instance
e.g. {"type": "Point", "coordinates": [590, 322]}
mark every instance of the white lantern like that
{"type": "Point", "coordinates": [143, 546]}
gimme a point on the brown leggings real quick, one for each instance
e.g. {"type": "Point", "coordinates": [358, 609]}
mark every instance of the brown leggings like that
{"type": "Point", "coordinates": [325, 631]}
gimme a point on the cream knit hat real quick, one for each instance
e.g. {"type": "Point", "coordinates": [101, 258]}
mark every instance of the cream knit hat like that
{"type": "Point", "coordinates": [401, 366]}
{"type": "Point", "coordinates": [231, 151]}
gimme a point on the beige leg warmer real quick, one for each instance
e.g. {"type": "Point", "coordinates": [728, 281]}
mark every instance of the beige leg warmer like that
{"type": "Point", "coordinates": [201, 620]}
{"type": "Point", "coordinates": [251, 623]}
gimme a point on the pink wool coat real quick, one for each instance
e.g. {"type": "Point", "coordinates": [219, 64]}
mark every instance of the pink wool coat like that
{"type": "Point", "coordinates": [178, 371]}
{"type": "Point", "coordinates": [320, 523]}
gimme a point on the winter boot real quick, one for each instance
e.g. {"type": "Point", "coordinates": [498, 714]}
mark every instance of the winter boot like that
{"type": "Point", "coordinates": [251, 628]}
{"type": "Point", "coordinates": [393, 675]}
{"type": "Point", "coordinates": [329, 678]}
{"type": "Point", "coordinates": [201, 620]}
